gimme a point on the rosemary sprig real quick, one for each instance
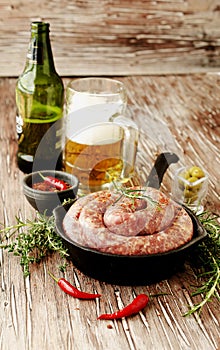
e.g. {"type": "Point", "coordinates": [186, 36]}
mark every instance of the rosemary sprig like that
{"type": "Point", "coordinates": [35, 240]}
{"type": "Point", "coordinates": [207, 258]}
{"type": "Point", "coordinates": [133, 193]}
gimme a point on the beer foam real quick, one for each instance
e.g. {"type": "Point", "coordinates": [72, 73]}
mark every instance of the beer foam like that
{"type": "Point", "coordinates": [80, 118]}
{"type": "Point", "coordinates": [99, 134]}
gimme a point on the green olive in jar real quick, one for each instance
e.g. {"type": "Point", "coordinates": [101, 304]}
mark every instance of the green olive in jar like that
{"type": "Point", "coordinates": [192, 175]}
{"type": "Point", "coordinates": [186, 175]}
{"type": "Point", "coordinates": [190, 196]}
{"type": "Point", "coordinates": [193, 188]}
{"type": "Point", "coordinates": [196, 172]}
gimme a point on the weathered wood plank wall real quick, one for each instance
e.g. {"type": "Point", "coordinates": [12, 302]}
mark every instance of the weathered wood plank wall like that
{"type": "Point", "coordinates": [115, 37]}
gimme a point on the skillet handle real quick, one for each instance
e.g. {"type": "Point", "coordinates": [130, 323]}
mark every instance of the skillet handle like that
{"type": "Point", "coordinates": [161, 164]}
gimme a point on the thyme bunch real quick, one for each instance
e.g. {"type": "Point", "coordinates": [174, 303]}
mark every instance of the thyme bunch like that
{"type": "Point", "coordinates": [35, 239]}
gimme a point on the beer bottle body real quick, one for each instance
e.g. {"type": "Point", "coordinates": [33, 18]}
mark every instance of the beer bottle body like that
{"type": "Point", "coordinates": [39, 100]}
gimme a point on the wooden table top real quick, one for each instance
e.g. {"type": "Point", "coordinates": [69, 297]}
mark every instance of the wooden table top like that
{"type": "Point", "coordinates": [174, 113]}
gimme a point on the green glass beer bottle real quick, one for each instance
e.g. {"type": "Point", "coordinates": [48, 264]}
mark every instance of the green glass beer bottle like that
{"type": "Point", "coordinates": [39, 100]}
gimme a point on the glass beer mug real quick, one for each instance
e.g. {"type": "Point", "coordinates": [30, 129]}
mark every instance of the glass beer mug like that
{"type": "Point", "coordinates": [100, 143]}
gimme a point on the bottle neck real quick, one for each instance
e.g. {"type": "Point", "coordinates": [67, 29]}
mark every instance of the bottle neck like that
{"type": "Point", "coordinates": [39, 50]}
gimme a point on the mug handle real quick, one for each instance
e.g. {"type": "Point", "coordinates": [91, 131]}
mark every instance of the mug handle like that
{"type": "Point", "coordinates": [130, 142]}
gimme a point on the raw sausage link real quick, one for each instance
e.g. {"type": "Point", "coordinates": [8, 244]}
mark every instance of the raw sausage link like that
{"type": "Point", "coordinates": [130, 217]}
{"type": "Point", "coordinates": [91, 222]}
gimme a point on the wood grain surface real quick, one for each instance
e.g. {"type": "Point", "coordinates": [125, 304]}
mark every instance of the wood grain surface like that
{"type": "Point", "coordinates": [115, 37]}
{"type": "Point", "coordinates": [175, 112]}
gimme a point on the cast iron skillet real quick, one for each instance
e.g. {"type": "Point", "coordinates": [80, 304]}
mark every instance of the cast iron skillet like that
{"type": "Point", "coordinates": [131, 270]}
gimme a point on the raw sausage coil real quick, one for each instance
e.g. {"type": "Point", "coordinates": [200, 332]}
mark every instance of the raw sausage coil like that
{"type": "Point", "coordinates": [149, 223]}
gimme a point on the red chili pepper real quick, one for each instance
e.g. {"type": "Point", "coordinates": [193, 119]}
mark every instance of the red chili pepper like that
{"type": "Point", "coordinates": [73, 291]}
{"type": "Point", "coordinates": [60, 185]}
{"type": "Point", "coordinates": [133, 308]}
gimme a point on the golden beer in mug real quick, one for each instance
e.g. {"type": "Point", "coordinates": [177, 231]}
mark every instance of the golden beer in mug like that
{"type": "Point", "coordinates": [96, 156]}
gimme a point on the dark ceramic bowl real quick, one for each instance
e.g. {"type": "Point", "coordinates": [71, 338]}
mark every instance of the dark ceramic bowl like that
{"type": "Point", "coordinates": [45, 201]}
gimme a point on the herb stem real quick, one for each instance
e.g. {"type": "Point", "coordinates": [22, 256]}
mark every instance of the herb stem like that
{"type": "Point", "coordinates": [133, 193]}
{"type": "Point", "coordinates": [214, 281]}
